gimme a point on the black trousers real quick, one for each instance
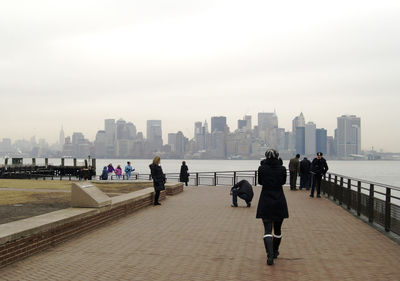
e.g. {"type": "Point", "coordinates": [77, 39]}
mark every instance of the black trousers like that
{"type": "Point", "coordinates": [293, 179]}
{"type": "Point", "coordinates": [157, 196]}
{"type": "Point", "coordinates": [316, 181]}
{"type": "Point", "coordinates": [268, 225]}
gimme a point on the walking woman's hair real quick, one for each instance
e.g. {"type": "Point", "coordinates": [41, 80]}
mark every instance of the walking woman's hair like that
{"type": "Point", "coordinates": [271, 153]}
{"type": "Point", "coordinates": [156, 160]}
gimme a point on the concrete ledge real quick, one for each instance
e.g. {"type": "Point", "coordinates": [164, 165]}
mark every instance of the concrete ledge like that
{"type": "Point", "coordinates": [20, 239]}
{"type": "Point", "coordinates": [173, 188]}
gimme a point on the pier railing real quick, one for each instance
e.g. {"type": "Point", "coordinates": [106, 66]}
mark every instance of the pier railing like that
{"type": "Point", "coordinates": [378, 202]}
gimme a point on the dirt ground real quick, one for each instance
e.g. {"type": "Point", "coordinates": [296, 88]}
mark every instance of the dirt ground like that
{"type": "Point", "coordinates": [24, 199]}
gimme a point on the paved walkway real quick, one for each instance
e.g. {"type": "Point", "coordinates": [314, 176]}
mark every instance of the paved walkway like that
{"type": "Point", "coordinates": [196, 235]}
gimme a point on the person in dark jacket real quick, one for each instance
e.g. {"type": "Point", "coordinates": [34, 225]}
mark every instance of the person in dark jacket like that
{"type": "Point", "coordinates": [272, 207]}
{"type": "Point", "coordinates": [184, 175]}
{"type": "Point", "coordinates": [318, 169]}
{"type": "Point", "coordinates": [305, 166]}
{"type": "Point", "coordinates": [244, 190]}
{"type": "Point", "coordinates": [294, 168]}
{"type": "Point", "coordinates": [158, 178]}
{"type": "Point", "coordinates": [104, 174]}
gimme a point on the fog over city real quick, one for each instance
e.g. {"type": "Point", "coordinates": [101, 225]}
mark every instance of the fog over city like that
{"type": "Point", "coordinates": [76, 63]}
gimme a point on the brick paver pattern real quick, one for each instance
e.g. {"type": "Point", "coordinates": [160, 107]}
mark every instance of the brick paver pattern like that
{"type": "Point", "coordinates": [196, 235]}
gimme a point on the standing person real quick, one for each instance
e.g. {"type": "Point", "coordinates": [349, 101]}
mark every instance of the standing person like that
{"type": "Point", "coordinates": [184, 175]}
{"type": "Point", "coordinates": [158, 178]}
{"type": "Point", "coordinates": [128, 170]}
{"type": "Point", "coordinates": [305, 166]}
{"type": "Point", "coordinates": [118, 172]}
{"type": "Point", "coordinates": [294, 168]}
{"type": "Point", "coordinates": [110, 170]}
{"type": "Point", "coordinates": [318, 168]}
{"type": "Point", "coordinates": [272, 207]}
{"type": "Point", "coordinates": [104, 174]}
{"type": "Point", "coordinates": [244, 190]}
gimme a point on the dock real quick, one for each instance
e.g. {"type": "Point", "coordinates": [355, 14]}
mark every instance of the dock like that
{"type": "Point", "coordinates": [196, 235]}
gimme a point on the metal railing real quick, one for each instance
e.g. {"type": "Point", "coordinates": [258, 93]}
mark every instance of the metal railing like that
{"type": "Point", "coordinates": [380, 203]}
{"type": "Point", "coordinates": [204, 178]}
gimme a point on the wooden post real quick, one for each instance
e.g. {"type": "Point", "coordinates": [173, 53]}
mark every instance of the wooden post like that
{"type": "Point", "coordinates": [215, 178]}
{"type": "Point", "coordinates": [33, 161]}
{"type": "Point", "coordinates": [46, 162]}
{"type": "Point", "coordinates": [74, 162]}
{"type": "Point", "coordinates": [62, 162]}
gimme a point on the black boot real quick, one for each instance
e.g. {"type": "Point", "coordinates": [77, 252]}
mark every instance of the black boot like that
{"type": "Point", "coordinates": [276, 243]}
{"type": "Point", "coordinates": [269, 248]}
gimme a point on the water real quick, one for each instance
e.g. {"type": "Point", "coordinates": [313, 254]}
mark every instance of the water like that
{"type": "Point", "coordinates": [386, 172]}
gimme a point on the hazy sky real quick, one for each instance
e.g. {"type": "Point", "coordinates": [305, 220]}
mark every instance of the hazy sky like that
{"type": "Point", "coordinates": [76, 63]}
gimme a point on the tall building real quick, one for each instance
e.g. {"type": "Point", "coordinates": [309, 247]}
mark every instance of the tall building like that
{"type": "Point", "coordinates": [248, 122]}
{"type": "Point", "coordinates": [242, 124]}
{"type": "Point", "coordinates": [61, 137]}
{"type": "Point", "coordinates": [300, 140]}
{"type": "Point", "coordinates": [298, 121]}
{"type": "Point", "coordinates": [322, 141]}
{"type": "Point", "coordinates": [109, 127]}
{"type": "Point", "coordinates": [348, 135]}
{"type": "Point", "coordinates": [218, 124]}
{"type": "Point", "coordinates": [310, 139]}
{"type": "Point", "coordinates": [267, 125]}
{"type": "Point", "coordinates": [154, 134]}
{"type": "Point", "coordinates": [100, 144]}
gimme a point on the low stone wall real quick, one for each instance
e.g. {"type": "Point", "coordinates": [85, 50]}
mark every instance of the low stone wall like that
{"type": "Point", "coordinates": [173, 188]}
{"type": "Point", "coordinates": [26, 237]}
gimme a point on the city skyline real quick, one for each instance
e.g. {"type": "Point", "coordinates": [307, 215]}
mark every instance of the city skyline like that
{"type": "Point", "coordinates": [74, 64]}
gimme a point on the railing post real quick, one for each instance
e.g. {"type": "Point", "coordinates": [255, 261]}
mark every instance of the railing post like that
{"type": "Point", "coordinates": [255, 178]}
{"type": "Point", "coordinates": [334, 191]}
{"type": "Point", "coordinates": [329, 190]}
{"type": "Point", "coordinates": [215, 178]}
{"type": "Point", "coordinates": [371, 203]}
{"type": "Point", "coordinates": [341, 191]}
{"type": "Point", "coordinates": [388, 209]}
{"type": "Point", "coordinates": [358, 198]}
{"type": "Point", "coordinates": [197, 179]}
{"type": "Point", "coordinates": [348, 194]}
{"type": "Point", "coordinates": [234, 178]}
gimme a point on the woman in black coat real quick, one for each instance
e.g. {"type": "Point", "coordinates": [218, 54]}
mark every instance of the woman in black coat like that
{"type": "Point", "coordinates": [184, 175]}
{"type": "Point", "coordinates": [158, 178]}
{"type": "Point", "coordinates": [272, 206]}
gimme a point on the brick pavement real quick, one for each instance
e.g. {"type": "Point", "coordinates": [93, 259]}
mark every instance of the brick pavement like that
{"type": "Point", "coordinates": [196, 235]}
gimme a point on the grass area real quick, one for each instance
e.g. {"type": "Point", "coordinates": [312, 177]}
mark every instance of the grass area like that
{"type": "Point", "coordinates": [36, 184]}
{"type": "Point", "coordinates": [22, 197]}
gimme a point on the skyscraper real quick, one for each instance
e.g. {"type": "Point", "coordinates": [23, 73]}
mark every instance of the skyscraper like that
{"type": "Point", "coordinates": [300, 140]}
{"type": "Point", "coordinates": [218, 124]}
{"type": "Point", "coordinates": [322, 141]}
{"type": "Point", "coordinates": [154, 134]}
{"type": "Point", "coordinates": [298, 121]}
{"type": "Point", "coordinates": [61, 137]}
{"type": "Point", "coordinates": [348, 135]}
{"type": "Point", "coordinates": [310, 139]}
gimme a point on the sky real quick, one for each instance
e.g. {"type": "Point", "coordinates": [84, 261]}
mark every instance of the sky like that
{"type": "Point", "coordinates": [76, 63]}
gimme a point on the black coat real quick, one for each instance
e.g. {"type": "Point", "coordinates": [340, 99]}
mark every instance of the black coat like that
{"type": "Point", "coordinates": [184, 175]}
{"type": "Point", "coordinates": [272, 203]}
{"type": "Point", "coordinates": [305, 166]}
{"type": "Point", "coordinates": [158, 177]}
{"type": "Point", "coordinates": [244, 188]}
{"type": "Point", "coordinates": [319, 166]}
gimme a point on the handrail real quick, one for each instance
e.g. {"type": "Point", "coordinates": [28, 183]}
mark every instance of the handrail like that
{"type": "Point", "coordinates": [366, 181]}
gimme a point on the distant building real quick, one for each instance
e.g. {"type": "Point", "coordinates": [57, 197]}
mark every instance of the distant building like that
{"type": "Point", "coordinates": [300, 140]}
{"type": "Point", "coordinates": [298, 121]}
{"type": "Point", "coordinates": [322, 141]}
{"type": "Point", "coordinates": [310, 139]}
{"type": "Point", "coordinates": [218, 124]}
{"type": "Point", "coordinates": [154, 135]}
{"type": "Point", "coordinates": [348, 135]}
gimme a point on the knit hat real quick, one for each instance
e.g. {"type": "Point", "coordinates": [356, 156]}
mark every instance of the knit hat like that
{"type": "Point", "coordinates": [271, 153]}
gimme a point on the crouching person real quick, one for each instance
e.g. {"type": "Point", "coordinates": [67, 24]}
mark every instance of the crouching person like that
{"type": "Point", "coordinates": [244, 190]}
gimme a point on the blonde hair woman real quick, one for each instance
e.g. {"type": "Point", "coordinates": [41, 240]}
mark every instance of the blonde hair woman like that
{"type": "Point", "coordinates": [158, 178]}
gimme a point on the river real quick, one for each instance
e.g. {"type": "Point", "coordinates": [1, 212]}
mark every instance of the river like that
{"type": "Point", "coordinates": [387, 172]}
